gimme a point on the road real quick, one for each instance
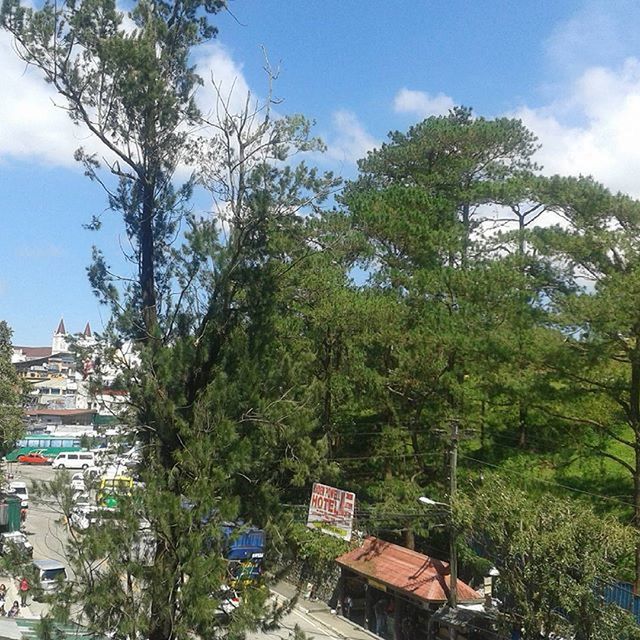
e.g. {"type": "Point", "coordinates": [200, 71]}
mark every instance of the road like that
{"type": "Point", "coordinates": [44, 527]}
{"type": "Point", "coordinates": [304, 622]}
{"type": "Point", "coordinates": [48, 535]}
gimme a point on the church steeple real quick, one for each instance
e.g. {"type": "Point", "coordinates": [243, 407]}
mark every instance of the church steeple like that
{"type": "Point", "coordinates": [59, 343]}
{"type": "Point", "coordinates": [87, 331]}
{"type": "Point", "coordinates": [61, 331]}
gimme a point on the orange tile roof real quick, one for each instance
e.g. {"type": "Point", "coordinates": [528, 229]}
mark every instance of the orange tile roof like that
{"type": "Point", "coordinates": [404, 570]}
{"type": "Point", "coordinates": [59, 412]}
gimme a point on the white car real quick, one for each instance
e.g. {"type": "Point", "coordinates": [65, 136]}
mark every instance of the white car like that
{"type": "Point", "coordinates": [83, 516]}
{"type": "Point", "coordinates": [16, 540]}
{"type": "Point", "coordinates": [21, 491]}
{"type": "Point", "coordinates": [229, 602]}
{"type": "Point", "coordinates": [51, 574]}
{"type": "Point", "coordinates": [78, 483]}
{"type": "Point", "coordinates": [82, 499]}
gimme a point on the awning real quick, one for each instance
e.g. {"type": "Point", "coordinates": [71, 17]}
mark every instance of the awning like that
{"type": "Point", "coordinates": [407, 571]}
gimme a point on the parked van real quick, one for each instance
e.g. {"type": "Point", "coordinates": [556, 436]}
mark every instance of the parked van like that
{"type": "Point", "coordinates": [21, 491]}
{"type": "Point", "coordinates": [50, 574]}
{"type": "Point", "coordinates": [74, 460]}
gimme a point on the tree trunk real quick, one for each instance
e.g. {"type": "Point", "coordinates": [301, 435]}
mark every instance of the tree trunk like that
{"type": "Point", "coordinates": [522, 409]}
{"type": "Point", "coordinates": [164, 597]}
{"type": "Point", "coordinates": [466, 223]}
{"type": "Point", "coordinates": [522, 424]}
{"type": "Point", "coordinates": [409, 538]}
{"type": "Point", "coordinates": [634, 409]}
{"type": "Point", "coordinates": [327, 404]}
{"type": "Point", "coordinates": [147, 265]}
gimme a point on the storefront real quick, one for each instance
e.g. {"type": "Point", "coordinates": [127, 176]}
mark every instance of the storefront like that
{"type": "Point", "coordinates": [395, 592]}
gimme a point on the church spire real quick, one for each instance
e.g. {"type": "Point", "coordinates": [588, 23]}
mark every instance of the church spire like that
{"type": "Point", "coordinates": [59, 344]}
{"type": "Point", "coordinates": [87, 331]}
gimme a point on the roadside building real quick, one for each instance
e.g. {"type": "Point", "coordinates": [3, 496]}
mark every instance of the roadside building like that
{"type": "Point", "coordinates": [395, 592]}
{"type": "Point", "coordinates": [59, 417]}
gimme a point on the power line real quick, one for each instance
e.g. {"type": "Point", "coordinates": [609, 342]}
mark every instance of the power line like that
{"type": "Point", "coordinates": [547, 482]}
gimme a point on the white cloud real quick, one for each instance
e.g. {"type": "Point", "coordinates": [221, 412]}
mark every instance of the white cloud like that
{"type": "Point", "coordinates": [31, 127]}
{"type": "Point", "coordinates": [593, 129]}
{"type": "Point", "coordinates": [600, 32]}
{"type": "Point", "coordinates": [216, 65]}
{"type": "Point", "coordinates": [350, 140]}
{"type": "Point", "coordinates": [421, 103]}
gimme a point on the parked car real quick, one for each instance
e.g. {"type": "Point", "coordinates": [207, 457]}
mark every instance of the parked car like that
{"type": "Point", "coordinates": [78, 483]}
{"type": "Point", "coordinates": [15, 540]}
{"type": "Point", "coordinates": [83, 516]}
{"type": "Point", "coordinates": [34, 457]}
{"type": "Point", "coordinates": [51, 573]}
{"type": "Point", "coordinates": [20, 490]}
{"type": "Point", "coordinates": [229, 602]}
{"type": "Point", "coordinates": [74, 460]}
{"type": "Point", "coordinates": [82, 499]}
{"type": "Point", "coordinates": [86, 515]}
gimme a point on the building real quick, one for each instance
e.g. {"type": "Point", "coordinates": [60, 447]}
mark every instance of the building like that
{"type": "Point", "coordinates": [59, 417]}
{"type": "Point", "coordinates": [60, 344]}
{"type": "Point", "coordinates": [60, 380]}
{"type": "Point", "coordinates": [396, 592]}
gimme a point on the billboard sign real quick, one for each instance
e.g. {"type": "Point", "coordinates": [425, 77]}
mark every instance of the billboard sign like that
{"type": "Point", "coordinates": [331, 510]}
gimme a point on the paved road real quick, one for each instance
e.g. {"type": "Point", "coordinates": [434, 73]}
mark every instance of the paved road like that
{"type": "Point", "coordinates": [43, 526]}
{"type": "Point", "coordinates": [304, 622]}
{"type": "Point", "coordinates": [46, 532]}
{"type": "Point", "coordinates": [48, 536]}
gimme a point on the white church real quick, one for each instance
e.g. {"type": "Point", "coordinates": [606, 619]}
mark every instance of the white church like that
{"type": "Point", "coordinates": [60, 382]}
{"type": "Point", "coordinates": [57, 382]}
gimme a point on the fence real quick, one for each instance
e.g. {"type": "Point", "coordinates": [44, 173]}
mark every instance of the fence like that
{"type": "Point", "coordinates": [621, 593]}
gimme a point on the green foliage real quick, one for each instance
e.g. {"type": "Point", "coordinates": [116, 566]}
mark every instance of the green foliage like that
{"type": "Point", "coordinates": [11, 393]}
{"type": "Point", "coordinates": [554, 558]}
{"type": "Point", "coordinates": [317, 551]}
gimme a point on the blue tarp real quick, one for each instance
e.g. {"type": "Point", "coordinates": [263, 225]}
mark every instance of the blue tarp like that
{"type": "Point", "coordinates": [621, 593]}
{"type": "Point", "coordinates": [244, 545]}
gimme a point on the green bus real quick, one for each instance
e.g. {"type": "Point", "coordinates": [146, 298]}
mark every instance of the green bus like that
{"type": "Point", "coordinates": [50, 446]}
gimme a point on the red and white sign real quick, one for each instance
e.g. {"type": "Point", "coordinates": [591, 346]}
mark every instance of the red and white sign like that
{"type": "Point", "coordinates": [331, 510]}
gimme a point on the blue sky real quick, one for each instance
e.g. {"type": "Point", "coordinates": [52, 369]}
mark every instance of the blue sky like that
{"type": "Point", "coordinates": [570, 70]}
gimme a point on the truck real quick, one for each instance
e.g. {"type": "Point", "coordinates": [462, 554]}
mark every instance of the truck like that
{"type": "Point", "coordinates": [244, 551]}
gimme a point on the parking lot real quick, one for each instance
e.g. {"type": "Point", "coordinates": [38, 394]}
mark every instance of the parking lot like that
{"type": "Point", "coordinates": [47, 533]}
{"type": "Point", "coordinates": [44, 526]}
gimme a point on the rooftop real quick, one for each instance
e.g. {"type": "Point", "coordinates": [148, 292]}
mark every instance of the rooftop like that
{"type": "Point", "coordinates": [404, 570]}
{"type": "Point", "coordinates": [59, 412]}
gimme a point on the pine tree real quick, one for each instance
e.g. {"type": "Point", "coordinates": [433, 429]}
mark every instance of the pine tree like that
{"type": "Point", "coordinates": [11, 393]}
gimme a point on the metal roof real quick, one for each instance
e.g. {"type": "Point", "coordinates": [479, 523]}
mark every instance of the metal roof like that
{"type": "Point", "coordinates": [410, 572]}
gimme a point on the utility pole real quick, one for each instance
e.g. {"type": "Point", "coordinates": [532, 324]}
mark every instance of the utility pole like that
{"type": "Point", "coordinates": [453, 550]}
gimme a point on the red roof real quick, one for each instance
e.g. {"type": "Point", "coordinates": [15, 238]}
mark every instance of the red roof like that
{"type": "Point", "coordinates": [35, 352]}
{"type": "Point", "coordinates": [59, 412]}
{"type": "Point", "coordinates": [404, 570]}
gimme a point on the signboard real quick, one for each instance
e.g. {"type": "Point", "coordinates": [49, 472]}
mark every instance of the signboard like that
{"type": "Point", "coordinates": [331, 510]}
{"type": "Point", "coordinates": [377, 585]}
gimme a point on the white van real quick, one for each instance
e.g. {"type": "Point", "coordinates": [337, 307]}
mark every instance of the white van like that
{"type": "Point", "coordinates": [75, 460]}
{"type": "Point", "coordinates": [21, 491]}
{"type": "Point", "coordinates": [50, 573]}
